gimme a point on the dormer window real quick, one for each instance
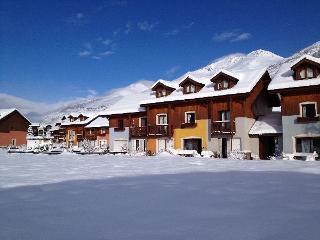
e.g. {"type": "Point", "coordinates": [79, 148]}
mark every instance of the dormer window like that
{"type": "Point", "coordinates": [161, 89]}
{"type": "Point", "coordinates": [190, 88]}
{"type": "Point", "coordinates": [224, 80]}
{"type": "Point", "coordinates": [190, 85]}
{"type": "Point", "coordinates": [306, 68]}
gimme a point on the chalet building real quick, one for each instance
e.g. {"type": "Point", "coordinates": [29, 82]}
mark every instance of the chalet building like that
{"type": "Point", "coordinates": [298, 84]}
{"type": "Point", "coordinates": [13, 128]}
{"type": "Point", "coordinates": [128, 132]}
{"type": "Point", "coordinates": [209, 114]}
{"type": "Point", "coordinates": [73, 126]}
{"type": "Point", "coordinates": [39, 135]}
{"type": "Point", "coordinates": [97, 131]}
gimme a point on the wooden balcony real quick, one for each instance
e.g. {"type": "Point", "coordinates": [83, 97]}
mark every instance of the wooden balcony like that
{"type": "Point", "coordinates": [308, 119]}
{"type": "Point", "coordinates": [159, 130]}
{"type": "Point", "coordinates": [188, 125]}
{"type": "Point", "coordinates": [223, 127]}
{"type": "Point", "coordinates": [138, 131]}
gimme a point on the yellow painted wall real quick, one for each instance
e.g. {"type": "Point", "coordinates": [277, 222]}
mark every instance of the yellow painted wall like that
{"type": "Point", "coordinates": [200, 131]}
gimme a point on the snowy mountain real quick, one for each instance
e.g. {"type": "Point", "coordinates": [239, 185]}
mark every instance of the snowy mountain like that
{"type": "Point", "coordinates": [95, 105]}
{"type": "Point", "coordinates": [128, 98]}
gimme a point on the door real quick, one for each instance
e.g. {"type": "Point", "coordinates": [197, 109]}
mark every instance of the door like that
{"type": "Point", "coordinates": [13, 142]}
{"type": "Point", "coordinates": [193, 144]}
{"type": "Point", "coordinates": [266, 147]}
{"type": "Point", "coordinates": [161, 145]}
{"type": "Point", "coordinates": [120, 145]}
{"type": "Point", "coordinates": [224, 150]}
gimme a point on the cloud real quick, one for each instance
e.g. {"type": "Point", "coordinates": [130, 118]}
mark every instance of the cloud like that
{"type": "Point", "coordinates": [171, 72]}
{"type": "Point", "coordinates": [107, 53]}
{"type": "Point", "coordinates": [87, 50]}
{"type": "Point", "coordinates": [189, 25]}
{"type": "Point", "coordinates": [176, 31]}
{"type": "Point", "coordinates": [77, 19]}
{"type": "Point", "coordinates": [146, 26]}
{"type": "Point", "coordinates": [231, 36]}
{"type": "Point", "coordinates": [128, 28]}
{"type": "Point", "coordinates": [92, 92]}
{"type": "Point", "coordinates": [171, 33]}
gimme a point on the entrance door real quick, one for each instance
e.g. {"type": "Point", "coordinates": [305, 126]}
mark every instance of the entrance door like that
{"type": "Point", "coordinates": [224, 150]}
{"type": "Point", "coordinates": [161, 145]}
{"type": "Point", "coordinates": [267, 147]}
{"type": "Point", "coordinates": [193, 144]}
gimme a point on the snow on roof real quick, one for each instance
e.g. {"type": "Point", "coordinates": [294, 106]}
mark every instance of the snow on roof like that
{"type": "Point", "coordinates": [78, 122]}
{"type": "Point", "coordinates": [166, 83]}
{"type": "Point", "coordinates": [284, 77]}
{"type": "Point", "coordinates": [98, 122]}
{"type": "Point", "coordinates": [247, 80]}
{"type": "Point", "coordinates": [193, 78]}
{"type": "Point", "coordinates": [6, 112]}
{"type": "Point", "coordinates": [231, 74]}
{"type": "Point", "coordinates": [308, 57]}
{"type": "Point", "coordinates": [35, 125]}
{"type": "Point", "coordinates": [268, 124]}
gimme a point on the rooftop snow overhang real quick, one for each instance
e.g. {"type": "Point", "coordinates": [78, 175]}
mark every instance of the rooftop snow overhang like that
{"type": "Point", "coordinates": [191, 80]}
{"type": "Point", "coordinates": [164, 84]}
{"type": "Point", "coordinates": [306, 59]}
{"type": "Point", "coordinates": [225, 73]}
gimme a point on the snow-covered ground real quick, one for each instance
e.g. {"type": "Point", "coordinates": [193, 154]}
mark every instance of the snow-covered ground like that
{"type": "Point", "coordinates": [122, 197]}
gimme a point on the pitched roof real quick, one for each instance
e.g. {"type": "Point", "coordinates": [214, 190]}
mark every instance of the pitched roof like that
{"type": "Point", "coordinates": [192, 79]}
{"type": "Point", "coordinates": [247, 80]}
{"type": "Point", "coordinates": [98, 122]}
{"type": "Point", "coordinates": [7, 111]}
{"type": "Point", "coordinates": [284, 77]}
{"type": "Point", "coordinates": [226, 72]}
{"type": "Point", "coordinates": [165, 83]}
{"type": "Point", "coordinates": [268, 124]}
{"type": "Point", "coordinates": [305, 57]}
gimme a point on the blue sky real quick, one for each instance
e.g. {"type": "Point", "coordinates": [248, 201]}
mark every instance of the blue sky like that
{"type": "Point", "coordinates": [59, 50]}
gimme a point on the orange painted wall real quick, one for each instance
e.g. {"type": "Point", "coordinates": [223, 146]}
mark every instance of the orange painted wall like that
{"type": "Point", "coordinates": [151, 145]}
{"type": "Point", "coordinates": [5, 138]}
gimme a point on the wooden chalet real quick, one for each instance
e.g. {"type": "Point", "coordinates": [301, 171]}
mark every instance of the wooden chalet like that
{"type": "Point", "coordinates": [13, 128]}
{"type": "Point", "coordinates": [300, 104]}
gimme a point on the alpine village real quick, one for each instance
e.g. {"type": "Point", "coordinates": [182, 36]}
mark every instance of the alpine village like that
{"type": "Point", "coordinates": [248, 111]}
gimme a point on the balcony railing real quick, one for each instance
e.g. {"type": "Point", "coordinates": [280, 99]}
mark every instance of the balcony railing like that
{"type": "Point", "coordinates": [307, 119]}
{"type": "Point", "coordinates": [159, 130]}
{"type": "Point", "coordinates": [138, 131]}
{"type": "Point", "coordinates": [91, 137]}
{"type": "Point", "coordinates": [119, 129]}
{"type": "Point", "coordinates": [223, 127]}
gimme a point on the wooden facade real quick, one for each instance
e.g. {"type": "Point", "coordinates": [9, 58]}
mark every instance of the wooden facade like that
{"type": "Point", "coordinates": [13, 129]}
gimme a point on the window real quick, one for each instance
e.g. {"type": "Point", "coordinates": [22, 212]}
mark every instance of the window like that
{"type": "Point", "coordinates": [120, 123]}
{"type": "Point", "coordinates": [13, 142]}
{"type": "Point", "coordinates": [224, 115]}
{"type": "Point", "coordinates": [308, 145]}
{"type": "Point", "coordinates": [303, 74]}
{"type": "Point", "coordinates": [308, 110]}
{"type": "Point", "coordinates": [225, 84]}
{"type": "Point", "coordinates": [143, 122]}
{"type": "Point", "coordinates": [225, 119]}
{"type": "Point", "coordinates": [90, 131]}
{"type": "Point", "coordinates": [309, 73]}
{"type": "Point", "coordinates": [190, 88]}
{"type": "Point", "coordinates": [72, 135]}
{"type": "Point", "coordinates": [162, 119]}
{"type": "Point", "coordinates": [103, 130]}
{"type": "Point", "coordinates": [162, 93]}
{"type": "Point", "coordinates": [140, 145]}
{"type": "Point", "coordinates": [190, 117]}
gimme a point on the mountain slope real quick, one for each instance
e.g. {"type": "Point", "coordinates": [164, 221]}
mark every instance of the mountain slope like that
{"type": "Point", "coordinates": [129, 97]}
